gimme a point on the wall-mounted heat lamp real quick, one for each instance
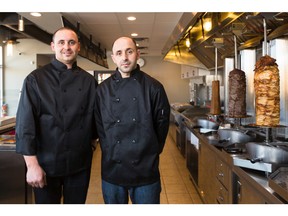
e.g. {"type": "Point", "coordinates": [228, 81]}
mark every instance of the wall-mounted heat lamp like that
{"type": "Point", "coordinates": [21, 24]}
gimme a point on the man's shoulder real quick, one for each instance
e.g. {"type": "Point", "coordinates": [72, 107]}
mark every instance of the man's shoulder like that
{"type": "Point", "coordinates": [149, 79]}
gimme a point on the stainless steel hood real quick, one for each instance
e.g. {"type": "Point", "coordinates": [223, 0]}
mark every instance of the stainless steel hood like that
{"type": "Point", "coordinates": [246, 26]}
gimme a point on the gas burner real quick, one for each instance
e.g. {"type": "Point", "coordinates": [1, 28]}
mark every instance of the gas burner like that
{"type": "Point", "coordinates": [235, 148]}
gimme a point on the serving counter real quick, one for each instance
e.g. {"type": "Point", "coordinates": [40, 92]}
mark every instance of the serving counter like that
{"type": "Point", "coordinates": [217, 176]}
{"type": "Point", "coordinates": [221, 181]}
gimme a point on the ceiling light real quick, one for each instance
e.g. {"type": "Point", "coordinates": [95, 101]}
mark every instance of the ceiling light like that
{"type": "Point", "coordinates": [21, 24]}
{"type": "Point", "coordinates": [9, 48]}
{"type": "Point", "coordinates": [207, 24]}
{"type": "Point", "coordinates": [134, 34]}
{"type": "Point", "coordinates": [131, 18]}
{"type": "Point", "coordinates": [187, 42]}
{"type": "Point", "coordinates": [36, 14]}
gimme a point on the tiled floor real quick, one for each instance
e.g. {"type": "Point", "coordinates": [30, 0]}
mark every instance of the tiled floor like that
{"type": "Point", "coordinates": [177, 187]}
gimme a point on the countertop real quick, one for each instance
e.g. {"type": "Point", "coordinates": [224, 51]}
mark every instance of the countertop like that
{"type": "Point", "coordinates": [7, 137]}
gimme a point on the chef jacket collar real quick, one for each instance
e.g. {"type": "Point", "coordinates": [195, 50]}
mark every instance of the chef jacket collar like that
{"type": "Point", "coordinates": [132, 73]}
{"type": "Point", "coordinates": [62, 67]}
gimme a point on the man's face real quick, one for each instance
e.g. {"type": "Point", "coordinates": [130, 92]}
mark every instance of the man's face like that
{"type": "Point", "coordinates": [66, 46]}
{"type": "Point", "coordinates": [125, 55]}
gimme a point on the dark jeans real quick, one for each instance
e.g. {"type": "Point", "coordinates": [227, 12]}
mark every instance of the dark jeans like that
{"type": "Point", "coordinates": [73, 188]}
{"type": "Point", "coordinates": [147, 194]}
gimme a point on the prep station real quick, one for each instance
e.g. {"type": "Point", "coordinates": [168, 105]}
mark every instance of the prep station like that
{"type": "Point", "coordinates": [222, 165]}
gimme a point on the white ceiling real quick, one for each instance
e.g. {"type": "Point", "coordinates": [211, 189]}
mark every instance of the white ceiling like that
{"type": "Point", "coordinates": [106, 27]}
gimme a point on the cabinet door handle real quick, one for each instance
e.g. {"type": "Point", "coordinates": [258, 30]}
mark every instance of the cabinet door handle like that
{"type": "Point", "coordinates": [221, 174]}
{"type": "Point", "coordinates": [239, 192]}
{"type": "Point", "coordinates": [220, 198]}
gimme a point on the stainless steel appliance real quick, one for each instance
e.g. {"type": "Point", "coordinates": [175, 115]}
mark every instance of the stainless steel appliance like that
{"type": "Point", "coordinates": [181, 136]}
{"type": "Point", "coordinates": [193, 143]}
{"type": "Point", "coordinates": [192, 152]}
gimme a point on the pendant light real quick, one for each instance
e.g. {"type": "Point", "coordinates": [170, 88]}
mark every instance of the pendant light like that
{"type": "Point", "coordinates": [10, 48]}
{"type": "Point", "coordinates": [21, 24]}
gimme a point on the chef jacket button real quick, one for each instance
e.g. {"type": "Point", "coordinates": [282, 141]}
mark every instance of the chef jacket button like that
{"type": "Point", "coordinates": [133, 119]}
{"type": "Point", "coordinates": [133, 141]}
{"type": "Point", "coordinates": [134, 98]}
{"type": "Point", "coordinates": [117, 80]}
{"type": "Point", "coordinates": [118, 141]}
{"type": "Point", "coordinates": [117, 99]}
{"type": "Point", "coordinates": [135, 79]}
{"type": "Point", "coordinates": [118, 121]}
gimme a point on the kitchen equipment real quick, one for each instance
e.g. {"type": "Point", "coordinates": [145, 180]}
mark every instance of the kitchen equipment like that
{"type": "Point", "coordinates": [192, 155]}
{"type": "Point", "coordinates": [205, 123]}
{"type": "Point", "coordinates": [184, 119]}
{"type": "Point", "coordinates": [233, 136]}
{"type": "Point", "coordinates": [278, 181]}
{"type": "Point", "coordinates": [274, 152]}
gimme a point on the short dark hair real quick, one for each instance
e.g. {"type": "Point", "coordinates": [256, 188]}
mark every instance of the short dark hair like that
{"type": "Point", "coordinates": [63, 28]}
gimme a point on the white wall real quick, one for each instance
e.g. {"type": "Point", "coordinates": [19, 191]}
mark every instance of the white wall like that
{"type": "Point", "coordinates": [169, 74]}
{"type": "Point", "coordinates": [18, 67]}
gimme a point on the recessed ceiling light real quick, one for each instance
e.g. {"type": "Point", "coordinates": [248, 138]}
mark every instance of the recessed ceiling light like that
{"type": "Point", "coordinates": [36, 14]}
{"type": "Point", "coordinates": [131, 18]}
{"type": "Point", "coordinates": [134, 34]}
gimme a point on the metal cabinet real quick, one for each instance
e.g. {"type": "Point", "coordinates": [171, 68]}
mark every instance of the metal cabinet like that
{"type": "Point", "coordinates": [207, 174]}
{"type": "Point", "coordinates": [246, 194]}
{"type": "Point", "coordinates": [224, 179]}
{"type": "Point", "coordinates": [215, 176]}
{"type": "Point", "coordinates": [252, 188]}
{"type": "Point", "coordinates": [222, 193]}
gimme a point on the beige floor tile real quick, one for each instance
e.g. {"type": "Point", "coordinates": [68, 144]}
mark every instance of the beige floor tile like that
{"type": "Point", "coordinates": [176, 188]}
{"type": "Point", "coordinates": [163, 198]}
{"type": "Point", "coordinates": [173, 180]}
{"type": "Point", "coordinates": [179, 198]}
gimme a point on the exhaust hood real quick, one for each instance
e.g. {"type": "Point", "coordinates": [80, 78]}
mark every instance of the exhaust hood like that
{"type": "Point", "coordinates": [246, 26]}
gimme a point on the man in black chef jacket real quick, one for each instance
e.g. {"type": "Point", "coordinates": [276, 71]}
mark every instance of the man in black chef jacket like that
{"type": "Point", "coordinates": [133, 120]}
{"type": "Point", "coordinates": [55, 124]}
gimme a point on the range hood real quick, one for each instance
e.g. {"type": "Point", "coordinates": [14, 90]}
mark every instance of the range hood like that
{"type": "Point", "coordinates": [246, 26]}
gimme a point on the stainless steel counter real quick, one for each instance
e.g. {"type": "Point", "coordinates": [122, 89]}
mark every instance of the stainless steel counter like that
{"type": "Point", "coordinates": [252, 173]}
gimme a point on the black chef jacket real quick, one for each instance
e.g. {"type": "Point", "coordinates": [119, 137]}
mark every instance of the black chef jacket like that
{"type": "Point", "coordinates": [132, 123]}
{"type": "Point", "coordinates": [55, 118]}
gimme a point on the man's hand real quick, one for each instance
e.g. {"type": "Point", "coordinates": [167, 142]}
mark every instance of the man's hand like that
{"type": "Point", "coordinates": [36, 177]}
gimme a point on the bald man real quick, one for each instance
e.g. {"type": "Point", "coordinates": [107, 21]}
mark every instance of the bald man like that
{"type": "Point", "coordinates": [133, 121]}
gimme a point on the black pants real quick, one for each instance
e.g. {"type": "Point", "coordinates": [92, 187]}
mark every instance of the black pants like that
{"type": "Point", "coordinates": [73, 188]}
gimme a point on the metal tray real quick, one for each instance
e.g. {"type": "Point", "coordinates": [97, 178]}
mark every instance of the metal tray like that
{"type": "Point", "coordinates": [278, 181]}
